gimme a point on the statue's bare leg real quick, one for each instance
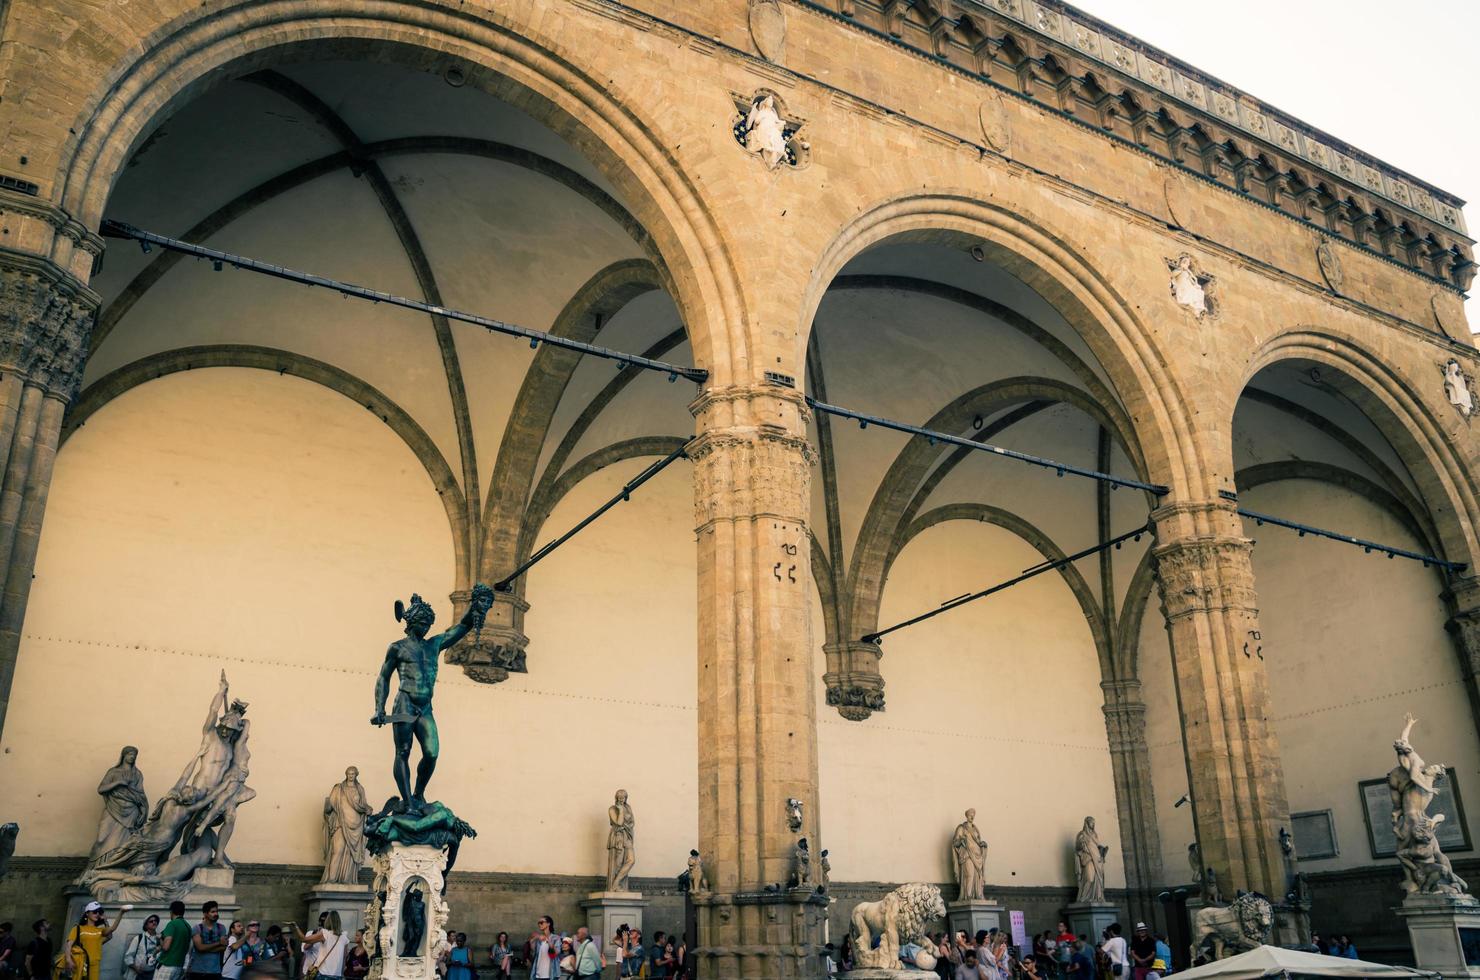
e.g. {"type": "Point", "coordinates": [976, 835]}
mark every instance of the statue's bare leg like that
{"type": "Point", "coordinates": [402, 769]}
{"type": "Point", "coordinates": [228, 824]}
{"type": "Point", "coordinates": [426, 736]}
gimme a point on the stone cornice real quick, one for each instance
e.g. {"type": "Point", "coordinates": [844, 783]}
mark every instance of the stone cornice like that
{"type": "Point", "coordinates": [1269, 174]}
{"type": "Point", "coordinates": [62, 222]}
{"type": "Point", "coordinates": [1094, 40]}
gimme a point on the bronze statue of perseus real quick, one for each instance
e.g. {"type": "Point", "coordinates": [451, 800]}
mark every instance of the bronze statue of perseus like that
{"type": "Point", "coordinates": [414, 659]}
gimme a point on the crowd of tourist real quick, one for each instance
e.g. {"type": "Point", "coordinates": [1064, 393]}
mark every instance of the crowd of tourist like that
{"type": "Point", "coordinates": [1055, 955]}
{"type": "Point", "coordinates": [209, 949]}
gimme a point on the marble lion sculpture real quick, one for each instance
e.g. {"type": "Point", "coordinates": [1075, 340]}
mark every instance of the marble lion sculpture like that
{"type": "Point", "coordinates": [894, 919]}
{"type": "Point", "coordinates": [1236, 928]}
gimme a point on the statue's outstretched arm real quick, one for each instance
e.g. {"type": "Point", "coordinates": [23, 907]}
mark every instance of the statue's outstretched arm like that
{"type": "Point", "coordinates": [478, 606]}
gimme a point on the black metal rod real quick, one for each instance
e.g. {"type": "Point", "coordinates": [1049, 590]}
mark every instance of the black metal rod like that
{"type": "Point", "coordinates": [117, 229]}
{"type": "Point", "coordinates": [502, 585]}
{"type": "Point", "coordinates": [1061, 468]}
{"type": "Point", "coordinates": [1036, 570]}
{"type": "Point", "coordinates": [1369, 546]}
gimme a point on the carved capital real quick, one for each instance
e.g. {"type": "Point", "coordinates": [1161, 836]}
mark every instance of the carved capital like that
{"type": "Point", "coordinates": [853, 682]}
{"type": "Point", "coordinates": [751, 457]}
{"type": "Point", "coordinates": [496, 651]}
{"type": "Point", "coordinates": [1205, 574]}
{"type": "Point", "coordinates": [46, 317]}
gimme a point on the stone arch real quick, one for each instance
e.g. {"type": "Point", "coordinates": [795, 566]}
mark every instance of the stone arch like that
{"type": "Point", "coordinates": [102, 391]}
{"type": "Point", "coordinates": [1047, 262]}
{"type": "Point", "coordinates": [1446, 488]}
{"type": "Point", "coordinates": [509, 61]}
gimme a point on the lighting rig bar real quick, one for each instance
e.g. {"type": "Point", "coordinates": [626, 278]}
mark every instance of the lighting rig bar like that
{"type": "Point", "coordinates": [117, 229]}
{"type": "Point", "coordinates": [505, 584]}
{"type": "Point", "coordinates": [1365, 545]}
{"type": "Point", "coordinates": [864, 421]}
{"type": "Point", "coordinates": [1033, 572]}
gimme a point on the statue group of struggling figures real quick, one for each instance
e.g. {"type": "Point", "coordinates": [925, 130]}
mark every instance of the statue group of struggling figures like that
{"type": "Point", "coordinates": [1413, 786]}
{"type": "Point", "coordinates": [135, 856]}
{"type": "Point", "coordinates": [969, 858]}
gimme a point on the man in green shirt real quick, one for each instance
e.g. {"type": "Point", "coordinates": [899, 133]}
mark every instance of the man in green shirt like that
{"type": "Point", "coordinates": [174, 945]}
{"type": "Point", "coordinates": [589, 958]}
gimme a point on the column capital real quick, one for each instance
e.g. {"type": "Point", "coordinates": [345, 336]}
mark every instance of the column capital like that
{"type": "Point", "coordinates": [497, 650]}
{"type": "Point", "coordinates": [1201, 558]}
{"type": "Point", "coordinates": [46, 316]}
{"type": "Point", "coordinates": [852, 680]}
{"type": "Point", "coordinates": [752, 457]}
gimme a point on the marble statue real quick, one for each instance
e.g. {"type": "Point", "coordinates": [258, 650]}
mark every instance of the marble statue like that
{"type": "Point", "coordinates": [1457, 389]}
{"type": "Point", "coordinates": [896, 919]}
{"type": "Point", "coordinates": [125, 807]}
{"type": "Point", "coordinates": [801, 865]}
{"type": "Point", "coordinates": [824, 871]}
{"type": "Point", "coordinates": [345, 811]}
{"type": "Point", "coordinates": [765, 131]}
{"type": "Point", "coordinates": [1412, 786]}
{"type": "Point", "coordinates": [1194, 860]}
{"type": "Point", "coordinates": [1212, 894]}
{"type": "Point", "coordinates": [1237, 928]}
{"type": "Point", "coordinates": [619, 844]}
{"type": "Point", "coordinates": [8, 834]}
{"type": "Point", "coordinates": [414, 660]}
{"type": "Point", "coordinates": [794, 814]}
{"type": "Point", "coordinates": [1287, 843]}
{"type": "Point", "coordinates": [1187, 287]}
{"type": "Point", "coordinates": [1090, 855]}
{"type": "Point", "coordinates": [694, 875]}
{"type": "Point", "coordinates": [198, 814]}
{"type": "Point", "coordinates": [969, 860]}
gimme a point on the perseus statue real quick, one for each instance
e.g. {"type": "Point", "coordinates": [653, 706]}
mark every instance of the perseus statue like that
{"type": "Point", "coordinates": [415, 659]}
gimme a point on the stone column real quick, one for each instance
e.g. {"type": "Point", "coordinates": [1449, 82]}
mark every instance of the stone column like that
{"type": "Point", "coordinates": [1233, 757]}
{"type": "Point", "coordinates": [46, 316]}
{"type": "Point", "coordinates": [757, 709]}
{"type": "Point", "coordinates": [1130, 764]}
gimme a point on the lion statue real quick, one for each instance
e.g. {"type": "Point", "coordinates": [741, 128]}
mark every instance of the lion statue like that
{"type": "Point", "coordinates": [896, 918]}
{"type": "Point", "coordinates": [1235, 928]}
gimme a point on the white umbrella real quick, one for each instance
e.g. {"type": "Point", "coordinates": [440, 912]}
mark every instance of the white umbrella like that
{"type": "Point", "coordinates": [1273, 961]}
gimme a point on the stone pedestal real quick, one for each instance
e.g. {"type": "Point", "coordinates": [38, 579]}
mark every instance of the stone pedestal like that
{"type": "Point", "coordinates": [1292, 925]}
{"type": "Point", "coordinates": [399, 871]}
{"type": "Point", "coordinates": [973, 915]}
{"type": "Point", "coordinates": [1445, 933]}
{"type": "Point", "coordinates": [348, 900]}
{"type": "Point", "coordinates": [605, 911]}
{"type": "Point", "coordinates": [1089, 919]}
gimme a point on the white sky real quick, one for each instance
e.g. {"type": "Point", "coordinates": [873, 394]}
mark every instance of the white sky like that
{"type": "Point", "coordinates": [1394, 79]}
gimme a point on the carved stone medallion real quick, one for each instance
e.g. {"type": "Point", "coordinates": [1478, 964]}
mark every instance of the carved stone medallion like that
{"type": "Point", "coordinates": [1458, 388]}
{"type": "Point", "coordinates": [1451, 323]}
{"type": "Point", "coordinates": [768, 29]}
{"type": "Point", "coordinates": [763, 127]}
{"type": "Point", "coordinates": [1330, 264]}
{"type": "Point", "coordinates": [992, 114]}
{"type": "Point", "coordinates": [1191, 287]}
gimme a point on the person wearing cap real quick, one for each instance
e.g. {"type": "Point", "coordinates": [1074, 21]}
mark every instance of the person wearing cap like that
{"type": "Point", "coordinates": [83, 947]}
{"type": "Point", "coordinates": [1143, 951]}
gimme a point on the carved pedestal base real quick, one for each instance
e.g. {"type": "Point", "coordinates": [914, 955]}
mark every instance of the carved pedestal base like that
{"type": "Point", "coordinates": [760, 934]}
{"type": "Point", "coordinates": [1089, 919]}
{"type": "Point", "coordinates": [1292, 925]}
{"type": "Point", "coordinates": [605, 911]}
{"type": "Point", "coordinates": [874, 974]}
{"type": "Point", "coordinates": [1445, 933]}
{"type": "Point", "coordinates": [348, 900]}
{"type": "Point", "coordinates": [972, 916]}
{"type": "Point", "coordinates": [400, 871]}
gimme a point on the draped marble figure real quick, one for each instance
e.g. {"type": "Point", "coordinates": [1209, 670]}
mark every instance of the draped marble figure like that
{"type": "Point", "coordinates": [1089, 854]}
{"type": "Point", "coordinates": [619, 851]}
{"type": "Point", "coordinates": [968, 860]}
{"type": "Point", "coordinates": [125, 807]}
{"type": "Point", "coordinates": [345, 810]}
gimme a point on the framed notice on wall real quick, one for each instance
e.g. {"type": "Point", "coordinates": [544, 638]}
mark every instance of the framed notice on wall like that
{"type": "Point", "coordinates": [1315, 835]}
{"type": "Point", "coordinates": [1377, 808]}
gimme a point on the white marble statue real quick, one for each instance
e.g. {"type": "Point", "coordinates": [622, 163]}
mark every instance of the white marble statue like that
{"type": "Point", "coordinates": [1412, 785]}
{"type": "Point", "coordinates": [345, 810]}
{"type": "Point", "coordinates": [1457, 389]}
{"type": "Point", "coordinates": [619, 850]}
{"type": "Point", "coordinates": [968, 860]}
{"type": "Point", "coordinates": [765, 131]}
{"type": "Point", "coordinates": [1187, 289]}
{"type": "Point", "coordinates": [198, 814]}
{"type": "Point", "coordinates": [896, 919]}
{"type": "Point", "coordinates": [125, 807]}
{"type": "Point", "coordinates": [1089, 854]}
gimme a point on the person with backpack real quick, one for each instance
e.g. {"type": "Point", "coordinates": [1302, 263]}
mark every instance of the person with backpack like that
{"type": "Point", "coordinates": [174, 945]}
{"type": "Point", "coordinates": [141, 959]}
{"type": "Point", "coordinates": [82, 950]}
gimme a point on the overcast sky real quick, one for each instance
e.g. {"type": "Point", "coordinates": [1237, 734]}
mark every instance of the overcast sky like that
{"type": "Point", "coordinates": [1394, 79]}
